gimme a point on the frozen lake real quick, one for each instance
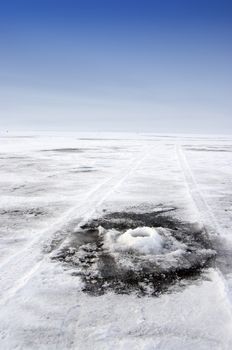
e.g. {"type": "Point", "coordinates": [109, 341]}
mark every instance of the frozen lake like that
{"type": "Point", "coordinates": [115, 241]}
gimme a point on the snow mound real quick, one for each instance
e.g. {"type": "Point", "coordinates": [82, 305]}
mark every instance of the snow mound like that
{"type": "Point", "coordinates": [143, 240]}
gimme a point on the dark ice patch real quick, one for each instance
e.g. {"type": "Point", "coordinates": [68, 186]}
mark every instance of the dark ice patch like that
{"type": "Point", "coordinates": [23, 212]}
{"type": "Point", "coordinates": [65, 150]}
{"type": "Point", "coordinates": [124, 272]}
{"type": "Point", "coordinates": [13, 157]}
{"type": "Point", "coordinates": [83, 169]}
{"type": "Point", "coordinates": [210, 149]}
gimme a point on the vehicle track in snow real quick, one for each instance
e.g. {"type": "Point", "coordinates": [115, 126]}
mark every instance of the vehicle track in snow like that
{"type": "Point", "coordinates": [208, 218]}
{"type": "Point", "coordinates": [18, 269]}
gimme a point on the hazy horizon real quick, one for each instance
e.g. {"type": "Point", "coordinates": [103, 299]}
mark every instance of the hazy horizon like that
{"type": "Point", "coordinates": [132, 66]}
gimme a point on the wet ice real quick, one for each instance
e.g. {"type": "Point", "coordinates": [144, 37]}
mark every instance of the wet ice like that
{"type": "Point", "coordinates": [116, 253]}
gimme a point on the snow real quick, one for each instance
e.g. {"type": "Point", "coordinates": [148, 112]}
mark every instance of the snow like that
{"type": "Point", "coordinates": [144, 240]}
{"type": "Point", "coordinates": [51, 184]}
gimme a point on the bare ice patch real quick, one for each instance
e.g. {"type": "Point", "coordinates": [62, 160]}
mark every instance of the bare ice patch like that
{"type": "Point", "coordinates": [145, 253]}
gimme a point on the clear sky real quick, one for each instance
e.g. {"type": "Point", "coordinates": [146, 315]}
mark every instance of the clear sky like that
{"type": "Point", "coordinates": [116, 65]}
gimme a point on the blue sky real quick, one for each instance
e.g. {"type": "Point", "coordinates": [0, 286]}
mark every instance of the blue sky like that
{"type": "Point", "coordinates": [112, 65]}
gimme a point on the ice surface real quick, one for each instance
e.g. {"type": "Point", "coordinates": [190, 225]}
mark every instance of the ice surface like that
{"type": "Point", "coordinates": [145, 240]}
{"type": "Point", "coordinates": [53, 184]}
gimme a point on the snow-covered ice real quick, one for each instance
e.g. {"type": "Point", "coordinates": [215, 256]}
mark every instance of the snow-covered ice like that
{"type": "Point", "coordinates": [145, 240]}
{"type": "Point", "coordinates": [74, 205]}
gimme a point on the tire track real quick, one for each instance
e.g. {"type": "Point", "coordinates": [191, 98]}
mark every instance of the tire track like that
{"type": "Point", "coordinates": [209, 220]}
{"type": "Point", "coordinates": [64, 219]}
{"type": "Point", "coordinates": [27, 262]}
{"type": "Point", "coordinates": [56, 225]}
{"type": "Point", "coordinates": [205, 212]}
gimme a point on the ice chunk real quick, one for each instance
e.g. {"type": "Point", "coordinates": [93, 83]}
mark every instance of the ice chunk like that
{"type": "Point", "coordinates": [144, 240]}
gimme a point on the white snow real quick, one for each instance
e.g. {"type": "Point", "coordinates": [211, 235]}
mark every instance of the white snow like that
{"type": "Point", "coordinates": [144, 240]}
{"type": "Point", "coordinates": [46, 193]}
